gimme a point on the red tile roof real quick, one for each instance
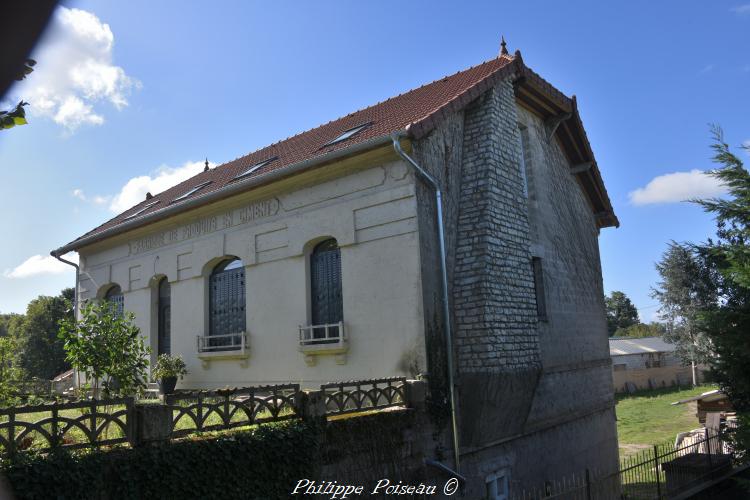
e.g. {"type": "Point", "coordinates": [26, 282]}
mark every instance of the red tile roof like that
{"type": "Point", "coordinates": [416, 111]}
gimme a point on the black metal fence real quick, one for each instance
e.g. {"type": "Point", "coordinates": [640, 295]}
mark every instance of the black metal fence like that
{"type": "Point", "coordinates": [671, 468]}
{"type": "Point", "coordinates": [663, 471]}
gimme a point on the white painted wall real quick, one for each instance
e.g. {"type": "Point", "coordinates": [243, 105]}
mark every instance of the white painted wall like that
{"type": "Point", "coordinates": [370, 211]}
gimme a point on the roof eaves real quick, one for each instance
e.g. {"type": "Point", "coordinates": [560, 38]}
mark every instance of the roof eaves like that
{"type": "Point", "coordinates": [225, 191]}
{"type": "Point", "coordinates": [570, 104]}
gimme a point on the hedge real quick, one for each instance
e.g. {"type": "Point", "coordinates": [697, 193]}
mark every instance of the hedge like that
{"type": "Point", "coordinates": [262, 463]}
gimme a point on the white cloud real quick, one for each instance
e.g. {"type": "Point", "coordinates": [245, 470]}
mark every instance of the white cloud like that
{"type": "Point", "coordinates": [677, 186]}
{"type": "Point", "coordinates": [75, 71]}
{"type": "Point", "coordinates": [96, 200]}
{"type": "Point", "coordinates": [38, 264]}
{"type": "Point", "coordinates": [134, 191]}
{"type": "Point", "coordinates": [741, 9]}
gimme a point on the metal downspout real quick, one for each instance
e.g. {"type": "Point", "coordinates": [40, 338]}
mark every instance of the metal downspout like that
{"type": "Point", "coordinates": [75, 297]}
{"type": "Point", "coordinates": [446, 303]}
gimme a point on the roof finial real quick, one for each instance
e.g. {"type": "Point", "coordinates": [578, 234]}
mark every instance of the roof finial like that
{"type": "Point", "coordinates": [205, 169]}
{"type": "Point", "coordinates": [503, 48]}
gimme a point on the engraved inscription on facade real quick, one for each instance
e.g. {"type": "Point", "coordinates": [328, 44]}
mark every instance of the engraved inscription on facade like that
{"type": "Point", "coordinates": [206, 225]}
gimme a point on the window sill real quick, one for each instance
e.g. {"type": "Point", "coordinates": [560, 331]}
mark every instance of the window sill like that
{"type": "Point", "coordinates": [312, 352]}
{"type": "Point", "coordinates": [239, 355]}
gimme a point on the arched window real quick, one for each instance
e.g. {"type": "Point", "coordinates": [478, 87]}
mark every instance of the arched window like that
{"type": "Point", "coordinates": [164, 339]}
{"type": "Point", "coordinates": [226, 302]}
{"type": "Point", "coordinates": [116, 299]}
{"type": "Point", "coordinates": [327, 306]}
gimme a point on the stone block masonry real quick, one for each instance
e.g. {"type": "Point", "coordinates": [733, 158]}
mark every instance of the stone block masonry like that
{"type": "Point", "coordinates": [493, 287]}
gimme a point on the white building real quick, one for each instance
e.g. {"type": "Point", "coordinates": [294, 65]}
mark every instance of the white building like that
{"type": "Point", "coordinates": [647, 363]}
{"type": "Point", "coordinates": [319, 258]}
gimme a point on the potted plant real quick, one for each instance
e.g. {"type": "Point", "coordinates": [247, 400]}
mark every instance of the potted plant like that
{"type": "Point", "coordinates": [167, 370]}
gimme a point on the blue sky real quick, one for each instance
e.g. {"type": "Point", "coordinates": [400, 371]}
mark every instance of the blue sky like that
{"type": "Point", "coordinates": [129, 96]}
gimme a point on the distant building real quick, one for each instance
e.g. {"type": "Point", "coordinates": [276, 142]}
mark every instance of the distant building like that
{"type": "Point", "coordinates": [714, 401]}
{"type": "Point", "coordinates": [646, 363]}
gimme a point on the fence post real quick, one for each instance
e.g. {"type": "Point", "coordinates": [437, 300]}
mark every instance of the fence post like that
{"type": "Point", "coordinates": [415, 394]}
{"type": "Point", "coordinates": [708, 450]}
{"type": "Point", "coordinates": [12, 432]}
{"type": "Point", "coordinates": [150, 423]}
{"type": "Point", "coordinates": [310, 405]}
{"type": "Point", "coordinates": [225, 418]}
{"type": "Point", "coordinates": [656, 469]}
{"type": "Point", "coordinates": [588, 485]}
{"type": "Point", "coordinates": [200, 411]}
{"type": "Point", "coordinates": [55, 430]}
{"type": "Point", "coordinates": [93, 438]}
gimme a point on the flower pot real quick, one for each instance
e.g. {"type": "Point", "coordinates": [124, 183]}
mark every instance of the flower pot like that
{"type": "Point", "coordinates": [167, 385]}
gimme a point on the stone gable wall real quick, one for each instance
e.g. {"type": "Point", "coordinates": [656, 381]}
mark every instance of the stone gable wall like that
{"type": "Point", "coordinates": [493, 286]}
{"type": "Point", "coordinates": [523, 384]}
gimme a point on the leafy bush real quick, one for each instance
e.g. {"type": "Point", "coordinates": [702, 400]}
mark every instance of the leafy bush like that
{"type": "Point", "coordinates": [262, 463]}
{"type": "Point", "coordinates": [108, 348]}
{"type": "Point", "coordinates": [168, 366]}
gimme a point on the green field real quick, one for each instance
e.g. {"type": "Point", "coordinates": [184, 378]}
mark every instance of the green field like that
{"type": "Point", "coordinates": [646, 418]}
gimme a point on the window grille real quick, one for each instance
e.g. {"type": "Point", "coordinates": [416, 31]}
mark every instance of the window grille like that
{"type": "Point", "coordinates": [327, 305]}
{"type": "Point", "coordinates": [226, 303]}
{"type": "Point", "coordinates": [116, 300]}
{"type": "Point", "coordinates": [164, 339]}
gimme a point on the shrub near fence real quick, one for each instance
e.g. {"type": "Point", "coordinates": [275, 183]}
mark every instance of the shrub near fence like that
{"type": "Point", "coordinates": [261, 463]}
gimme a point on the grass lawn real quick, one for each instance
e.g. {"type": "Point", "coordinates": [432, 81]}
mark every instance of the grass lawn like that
{"type": "Point", "coordinates": [647, 417]}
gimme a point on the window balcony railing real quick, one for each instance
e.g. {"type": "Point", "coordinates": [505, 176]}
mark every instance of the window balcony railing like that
{"type": "Point", "coordinates": [317, 340]}
{"type": "Point", "coordinates": [222, 347]}
{"type": "Point", "coordinates": [322, 334]}
{"type": "Point", "coordinates": [229, 342]}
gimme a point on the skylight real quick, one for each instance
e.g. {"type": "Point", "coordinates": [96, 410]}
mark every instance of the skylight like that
{"type": "Point", "coordinates": [255, 167]}
{"type": "Point", "coordinates": [141, 210]}
{"type": "Point", "coordinates": [192, 191]}
{"type": "Point", "coordinates": [348, 134]}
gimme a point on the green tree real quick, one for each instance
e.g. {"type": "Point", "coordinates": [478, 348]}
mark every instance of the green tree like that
{"type": "Point", "coordinates": [727, 324]}
{"type": "Point", "coordinates": [41, 352]}
{"type": "Point", "coordinates": [9, 323]}
{"type": "Point", "coordinates": [10, 373]}
{"type": "Point", "coordinates": [640, 330]}
{"type": "Point", "coordinates": [107, 348]}
{"type": "Point", "coordinates": [687, 288]}
{"type": "Point", "coordinates": [621, 313]}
